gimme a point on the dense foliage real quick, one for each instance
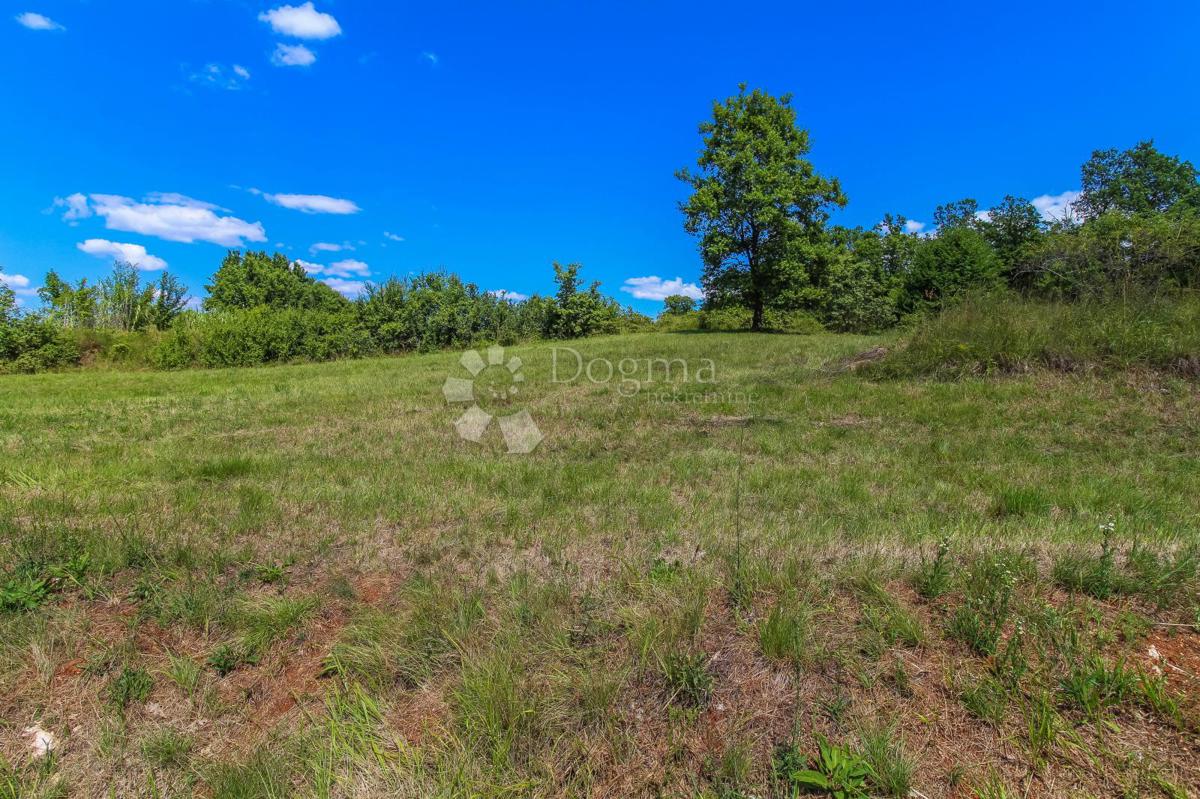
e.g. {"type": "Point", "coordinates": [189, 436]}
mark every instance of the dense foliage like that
{"type": "Point", "coordinates": [264, 308]}
{"type": "Point", "coordinates": [760, 213]}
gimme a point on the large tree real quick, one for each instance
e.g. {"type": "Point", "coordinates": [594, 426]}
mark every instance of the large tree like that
{"type": "Point", "coordinates": [1137, 181]}
{"type": "Point", "coordinates": [757, 204]}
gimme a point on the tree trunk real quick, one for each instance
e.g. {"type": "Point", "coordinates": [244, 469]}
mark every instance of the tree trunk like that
{"type": "Point", "coordinates": [756, 321]}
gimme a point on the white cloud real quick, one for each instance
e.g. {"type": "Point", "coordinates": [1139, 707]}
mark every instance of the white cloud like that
{"type": "Point", "coordinates": [175, 198]}
{"type": "Point", "coordinates": [348, 288]}
{"type": "Point", "coordinates": [293, 55]}
{"type": "Point", "coordinates": [347, 268]}
{"type": "Point", "coordinates": [392, 236]}
{"type": "Point", "coordinates": [132, 254]}
{"type": "Point", "coordinates": [655, 288]}
{"type": "Point", "coordinates": [328, 246]}
{"type": "Point", "coordinates": [310, 203]}
{"type": "Point", "coordinates": [913, 226]}
{"type": "Point", "coordinates": [20, 285]}
{"type": "Point", "coordinates": [169, 216]}
{"type": "Point", "coordinates": [432, 58]}
{"type": "Point", "coordinates": [37, 22]}
{"type": "Point", "coordinates": [511, 296]}
{"type": "Point", "coordinates": [339, 269]}
{"type": "Point", "coordinates": [301, 22]}
{"type": "Point", "coordinates": [218, 77]}
{"type": "Point", "coordinates": [1056, 207]}
{"type": "Point", "coordinates": [76, 205]}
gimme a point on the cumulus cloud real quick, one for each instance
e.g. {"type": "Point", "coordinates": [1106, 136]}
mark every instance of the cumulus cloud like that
{"type": "Point", "coordinates": [655, 288]}
{"type": "Point", "coordinates": [392, 236]}
{"type": "Point", "coordinates": [174, 217]}
{"type": "Point", "coordinates": [132, 254]}
{"type": "Point", "coordinates": [913, 226]}
{"type": "Point", "coordinates": [432, 58]}
{"type": "Point", "coordinates": [216, 76]}
{"type": "Point", "coordinates": [301, 22]}
{"type": "Point", "coordinates": [77, 208]}
{"type": "Point", "coordinates": [310, 203]}
{"type": "Point", "coordinates": [511, 296]}
{"type": "Point", "coordinates": [293, 55]}
{"type": "Point", "coordinates": [348, 288]}
{"type": "Point", "coordinates": [1056, 207]}
{"type": "Point", "coordinates": [20, 285]}
{"type": "Point", "coordinates": [37, 22]}
{"type": "Point", "coordinates": [347, 268]}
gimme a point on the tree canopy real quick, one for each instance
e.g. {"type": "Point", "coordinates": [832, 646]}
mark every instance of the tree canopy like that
{"type": "Point", "coordinates": [758, 205]}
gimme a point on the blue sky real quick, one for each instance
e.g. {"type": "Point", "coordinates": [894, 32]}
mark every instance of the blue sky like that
{"type": "Point", "coordinates": [496, 137]}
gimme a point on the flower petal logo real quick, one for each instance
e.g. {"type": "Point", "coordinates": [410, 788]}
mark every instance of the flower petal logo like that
{"type": "Point", "coordinates": [499, 381]}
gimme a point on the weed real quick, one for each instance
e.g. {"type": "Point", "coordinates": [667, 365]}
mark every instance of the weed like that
{"type": "Point", "coordinates": [1155, 694]}
{"type": "Point", "coordinates": [1042, 729]}
{"type": "Point", "coordinates": [269, 573]}
{"type": "Point", "coordinates": [986, 699]}
{"type": "Point", "coordinates": [835, 707]}
{"type": "Point", "coordinates": [226, 657]}
{"type": "Point", "coordinates": [980, 621]}
{"type": "Point", "coordinates": [993, 787]}
{"type": "Point", "coordinates": [1096, 577]}
{"type": "Point", "coordinates": [263, 776]}
{"type": "Point", "coordinates": [934, 577]}
{"type": "Point", "coordinates": [837, 772]}
{"type": "Point", "coordinates": [131, 685]}
{"type": "Point", "coordinates": [688, 680]}
{"type": "Point", "coordinates": [24, 592]}
{"type": "Point", "coordinates": [166, 748]}
{"type": "Point", "coordinates": [1093, 686]}
{"type": "Point", "coordinates": [786, 635]}
{"type": "Point", "coordinates": [185, 673]}
{"type": "Point", "coordinates": [891, 767]}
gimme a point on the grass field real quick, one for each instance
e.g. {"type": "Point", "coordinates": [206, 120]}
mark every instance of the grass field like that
{"type": "Point", "coordinates": [300, 580]}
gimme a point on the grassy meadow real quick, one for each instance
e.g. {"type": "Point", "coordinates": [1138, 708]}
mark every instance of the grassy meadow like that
{"type": "Point", "coordinates": [299, 581]}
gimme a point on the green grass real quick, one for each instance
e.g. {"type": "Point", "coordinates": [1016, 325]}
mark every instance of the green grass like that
{"type": "Point", "coordinates": [660, 594]}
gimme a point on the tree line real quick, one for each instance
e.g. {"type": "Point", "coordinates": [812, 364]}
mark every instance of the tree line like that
{"type": "Point", "coordinates": [761, 213]}
{"type": "Point", "coordinates": [263, 308]}
{"type": "Point", "coordinates": [771, 261]}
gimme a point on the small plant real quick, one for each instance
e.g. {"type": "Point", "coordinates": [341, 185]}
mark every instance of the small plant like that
{"type": "Point", "coordinates": [785, 635]}
{"type": "Point", "coordinates": [24, 592]}
{"type": "Point", "coordinates": [1155, 695]}
{"type": "Point", "coordinates": [933, 577]}
{"type": "Point", "coordinates": [891, 767]}
{"type": "Point", "coordinates": [688, 679]}
{"type": "Point", "coordinates": [226, 658]}
{"type": "Point", "coordinates": [838, 772]}
{"type": "Point", "coordinates": [131, 685]}
{"type": "Point", "coordinates": [1093, 686]}
{"type": "Point", "coordinates": [269, 573]}
{"type": "Point", "coordinates": [166, 748]}
{"type": "Point", "coordinates": [1042, 727]}
{"type": "Point", "coordinates": [986, 700]}
{"type": "Point", "coordinates": [980, 621]}
{"type": "Point", "coordinates": [835, 707]}
{"type": "Point", "coordinates": [1096, 577]}
{"type": "Point", "coordinates": [185, 673]}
